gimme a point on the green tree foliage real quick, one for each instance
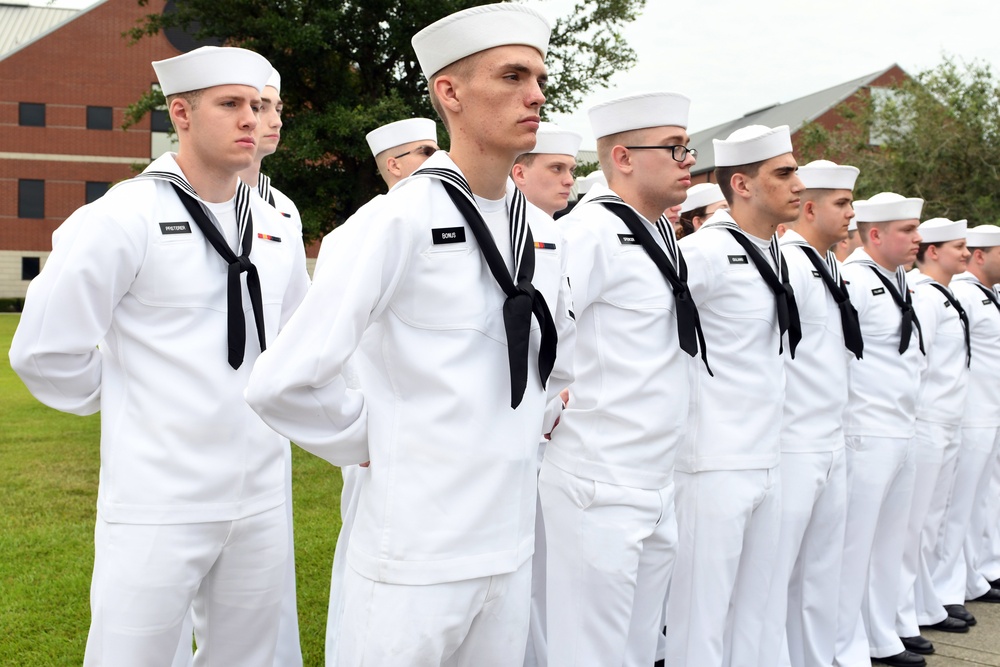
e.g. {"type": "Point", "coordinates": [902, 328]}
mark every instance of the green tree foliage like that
{"type": "Point", "coordinates": [347, 67]}
{"type": "Point", "coordinates": [936, 136]}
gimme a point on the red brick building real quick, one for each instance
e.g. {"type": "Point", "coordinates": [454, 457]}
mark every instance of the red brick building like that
{"type": "Point", "coordinates": [62, 106]}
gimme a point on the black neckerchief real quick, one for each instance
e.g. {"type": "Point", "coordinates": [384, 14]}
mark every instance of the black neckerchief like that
{"type": "Point", "coordinates": [829, 272]}
{"type": "Point", "coordinates": [961, 315]}
{"type": "Point", "coordinates": [672, 267]}
{"type": "Point", "coordinates": [905, 305]}
{"type": "Point", "coordinates": [522, 297]}
{"type": "Point", "coordinates": [237, 263]}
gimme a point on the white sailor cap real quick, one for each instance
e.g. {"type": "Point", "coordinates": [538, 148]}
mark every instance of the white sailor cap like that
{"type": "Point", "coordinates": [702, 194]}
{"type": "Point", "coordinates": [826, 175]}
{"type": "Point", "coordinates": [584, 183]}
{"type": "Point", "coordinates": [476, 29]}
{"type": "Point", "coordinates": [852, 226]}
{"type": "Point", "coordinates": [401, 132]}
{"type": "Point", "coordinates": [274, 80]}
{"type": "Point", "coordinates": [754, 143]}
{"type": "Point", "coordinates": [212, 66]}
{"type": "Point", "coordinates": [888, 206]}
{"type": "Point", "coordinates": [635, 112]}
{"type": "Point", "coordinates": [983, 236]}
{"type": "Point", "coordinates": [941, 230]}
{"type": "Point", "coordinates": [554, 140]}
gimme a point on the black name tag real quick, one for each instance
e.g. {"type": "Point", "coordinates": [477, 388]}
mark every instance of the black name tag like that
{"type": "Point", "coordinates": [986, 302]}
{"type": "Point", "coordinates": [878, 290]}
{"type": "Point", "coordinates": [181, 227]}
{"type": "Point", "coordinates": [448, 235]}
{"type": "Point", "coordinates": [628, 239]}
{"type": "Point", "coordinates": [738, 259]}
{"type": "Point", "coordinates": [816, 274]}
{"type": "Point", "coordinates": [947, 304]}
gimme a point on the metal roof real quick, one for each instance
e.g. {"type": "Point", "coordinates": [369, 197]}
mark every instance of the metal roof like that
{"type": "Point", "coordinates": [794, 114]}
{"type": "Point", "coordinates": [20, 25]}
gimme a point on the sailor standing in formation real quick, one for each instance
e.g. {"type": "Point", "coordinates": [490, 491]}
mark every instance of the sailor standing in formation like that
{"type": "Point", "coordinates": [835, 487]}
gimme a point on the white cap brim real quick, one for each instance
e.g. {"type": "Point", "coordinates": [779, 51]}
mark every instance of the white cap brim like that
{"type": "Point", "coordinates": [211, 66]}
{"type": "Point", "coordinates": [983, 236]}
{"type": "Point", "coordinates": [702, 194]}
{"type": "Point", "coordinates": [552, 139]}
{"type": "Point", "coordinates": [636, 112]}
{"type": "Point", "coordinates": [826, 175]}
{"type": "Point", "coordinates": [888, 206]}
{"type": "Point", "coordinates": [401, 132]}
{"type": "Point", "coordinates": [751, 144]}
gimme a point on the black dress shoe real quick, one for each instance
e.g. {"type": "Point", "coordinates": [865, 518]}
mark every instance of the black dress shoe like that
{"type": "Point", "coordinates": [995, 583]}
{"type": "Point", "coordinates": [949, 624]}
{"type": "Point", "coordinates": [917, 644]}
{"type": "Point", "coordinates": [992, 595]}
{"type": "Point", "coordinates": [961, 613]}
{"type": "Point", "coordinates": [904, 659]}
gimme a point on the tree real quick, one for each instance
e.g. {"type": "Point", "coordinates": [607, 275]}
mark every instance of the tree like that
{"type": "Point", "coordinates": [936, 136]}
{"type": "Point", "coordinates": [347, 67]}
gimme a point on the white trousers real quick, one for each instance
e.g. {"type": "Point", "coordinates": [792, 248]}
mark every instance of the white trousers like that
{"type": "Point", "coordinates": [954, 576]}
{"type": "Point", "coordinates": [988, 563]}
{"type": "Point", "coordinates": [610, 552]}
{"type": "Point", "coordinates": [354, 479]}
{"type": "Point", "coordinates": [728, 525]}
{"type": "Point", "coordinates": [481, 622]}
{"type": "Point", "coordinates": [880, 474]}
{"type": "Point", "coordinates": [146, 578]}
{"type": "Point", "coordinates": [935, 450]}
{"type": "Point", "coordinates": [288, 649]}
{"type": "Point", "coordinates": [806, 582]}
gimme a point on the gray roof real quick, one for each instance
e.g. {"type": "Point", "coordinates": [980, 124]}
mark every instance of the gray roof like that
{"type": "Point", "coordinates": [794, 114]}
{"type": "Point", "coordinates": [20, 25]}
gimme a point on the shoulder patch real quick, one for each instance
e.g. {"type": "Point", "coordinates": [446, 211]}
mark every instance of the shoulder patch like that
{"type": "Point", "coordinates": [447, 235]}
{"type": "Point", "coordinates": [878, 290]}
{"type": "Point", "coordinates": [628, 239]}
{"type": "Point", "coordinates": [738, 259]}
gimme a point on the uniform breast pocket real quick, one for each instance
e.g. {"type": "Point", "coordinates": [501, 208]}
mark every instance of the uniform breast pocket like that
{"type": "Point", "coordinates": [638, 282]}
{"type": "Point", "coordinates": [182, 270]}
{"type": "Point", "coordinates": [274, 265]}
{"type": "Point", "coordinates": [744, 295]}
{"type": "Point", "coordinates": [448, 287]}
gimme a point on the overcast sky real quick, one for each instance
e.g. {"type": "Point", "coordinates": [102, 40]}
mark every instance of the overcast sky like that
{"type": "Point", "coordinates": [734, 56]}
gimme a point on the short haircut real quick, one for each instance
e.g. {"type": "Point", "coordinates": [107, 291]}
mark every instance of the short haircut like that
{"type": "Point", "coordinates": [192, 97]}
{"type": "Point", "coordinates": [723, 176]}
{"type": "Point", "coordinates": [526, 159]}
{"type": "Point", "coordinates": [461, 68]}
{"type": "Point", "coordinates": [608, 142]}
{"type": "Point", "coordinates": [815, 194]}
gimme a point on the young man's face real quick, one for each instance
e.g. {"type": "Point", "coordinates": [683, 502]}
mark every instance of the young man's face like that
{"type": "Point", "coordinates": [663, 180]}
{"type": "Point", "coordinates": [500, 98]}
{"type": "Point", "coordinates": [899, 241]}
{"type": "Point", "coordinates": [220, 128]}
{"type": "Point", "coordinates": [953, 257]}
{"type": "Point", "coordinates": [776, 188]}
{"type": "Point", "coordinates": [988, 262]}
{"type": "Point", "coordinates": [833, 210]}
{"type": "Point", "coordinates": [547, 181]}
{"type": "Point", "coordinates": [269, 127]}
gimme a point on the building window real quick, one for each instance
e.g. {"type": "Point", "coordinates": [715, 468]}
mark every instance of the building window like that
{"type": "Point", "coordinates": [99, 118]}
{"type": "Point", "coordinates": [30, 267]}
{"type": "Point", "coordinates": [159, 121]}
{"type": "Point", "coordinates": [96, 190]}
{"type": "Point", "coordinates": [30, 198]}
{"type": "Point", "coordinates": [30, 114]}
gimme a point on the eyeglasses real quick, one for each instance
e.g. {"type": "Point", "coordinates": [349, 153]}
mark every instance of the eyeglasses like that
{"type": "Point", "coordinates": [678, 153]}
{"type": "Point", "coordinates": [426, 151]}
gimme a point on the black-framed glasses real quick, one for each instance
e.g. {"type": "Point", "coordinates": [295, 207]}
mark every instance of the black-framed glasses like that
{"type": "Point", "coordinates": [426, 151]}
{"type": "Point", "coordinates": [678, 153]}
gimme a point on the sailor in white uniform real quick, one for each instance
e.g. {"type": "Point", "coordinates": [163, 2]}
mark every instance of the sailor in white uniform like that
{"type": "Point", "coordinates": [463, 284]}
{"type": "Point", "coordinates": [288, 652]}
{"type": "Point", "coordinates": [702, 201]}
{"type": "Point", "coordinates": [133, 314]}
{"type": "Point", "coordinates": [606, 484]}
{"type": "Point", "coordinates": [956, 574]}
{"type": "Point", "coordinates": [940, 406]}
{"type": "Point", "coordinates": [727, 476]}
{"type": "Point", "coordinates": [879, 425]}
{"type": "Point", "coordinates": [806, 579]}
{"type": "Point", "coordinates": [399, 148]}
{"type": "Point", "coordinates": [545, 176]}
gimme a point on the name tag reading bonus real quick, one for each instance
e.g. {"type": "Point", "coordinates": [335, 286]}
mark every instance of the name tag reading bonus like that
{"type": "Point", "coordinates": [448, 235]}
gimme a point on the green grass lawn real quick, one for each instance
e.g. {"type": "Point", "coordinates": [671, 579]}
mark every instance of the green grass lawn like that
{"type": "Point", "coordinates": [48, 477]}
